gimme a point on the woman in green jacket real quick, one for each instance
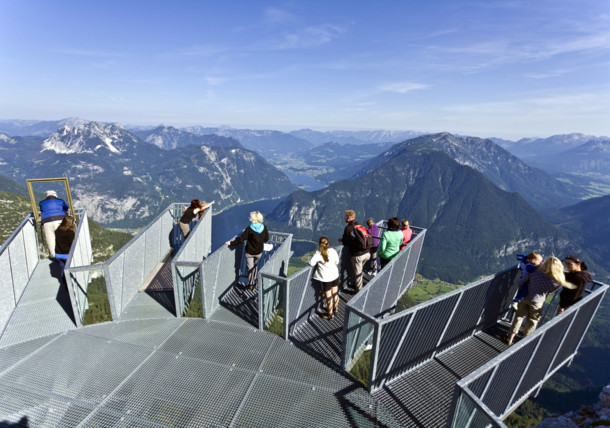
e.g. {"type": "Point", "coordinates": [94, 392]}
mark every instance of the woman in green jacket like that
{"type": "Point", "coordinates": [390, 242]}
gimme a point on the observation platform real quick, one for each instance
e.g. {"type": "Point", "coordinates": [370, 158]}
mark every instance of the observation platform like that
{"type": "Point", "coordinates": [187, 347]}
{"type": "Point", "coordinates": [176, 372]}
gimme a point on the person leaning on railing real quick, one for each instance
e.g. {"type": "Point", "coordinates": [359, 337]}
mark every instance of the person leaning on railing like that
{"type": "Point", "coordinates": [189, 213]}
{"type": "Point", "coordinates": [547, 278]}
{"type": "Point", "coordinates": [577, 275]}
{"type": "Point", "coordinates": [390, 242]}
{"type": "Point", "coordinates": [64, 236]}
{"type": "Point", "coordinates": [52, 212]}
{"type": "Point", "coordinates": [255, 237]}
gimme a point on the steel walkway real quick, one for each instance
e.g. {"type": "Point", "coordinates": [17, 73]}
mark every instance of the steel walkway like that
{"type": "Point", "coordinates": [155, 300]}
{"type": "Point", "coordinates": [176, 372]}
{"type": "Point", "coordinates": [422, 397]}
{"type": "Point", "coordinates": [323, 338]}
{"type": "Point", "coordinates": [43, 309]}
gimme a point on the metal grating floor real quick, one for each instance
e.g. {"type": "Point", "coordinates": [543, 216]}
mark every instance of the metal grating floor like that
{"type": "Point", "coordinates": [323, 338]}
{"type": "Point", "coordinates": [176, 372]}
{"type": "Point", "coordinates": [44, 307]}
{"type": "Point", "coordinates": [422, 397]}
{"type": "Point", "coordinates": [238, 309]}
{"type": "Point", "coordinates": [156, 300]}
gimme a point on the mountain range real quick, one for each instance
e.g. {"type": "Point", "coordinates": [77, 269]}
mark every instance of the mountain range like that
{"type": "Point", "coordinates": [504, 169]}
{"type": "Point", "coordinates": [474, 227]}
{"type": "Point", "coordinates": [578, 155]}
{"type": "Point", "coordinates": [125, 181]}
{"type": "Point", "coordinates": [169, 138]}
{"type": "Point", "coordinates": [354, 137]}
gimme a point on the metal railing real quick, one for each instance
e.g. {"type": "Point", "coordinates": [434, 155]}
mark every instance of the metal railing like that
{"type": "Point", "coordinates": [225, 266]}
{"type": "Point", "coordinates": [373, 306]}
{"type": "Point", "coordinates": [186, 272]}
{"type": "Point", "coordinates": [497, 388]}
{"type": "Point", "coordinates": [126, 270]}
{"type": "Point", "coordinates": [78, 271]}
{"type": "Point", "coordinates": [295, 296]}
{"type": "Point", "coordinates": [271, 294]}
{"type": "Point", "coordinates": [18, 259]}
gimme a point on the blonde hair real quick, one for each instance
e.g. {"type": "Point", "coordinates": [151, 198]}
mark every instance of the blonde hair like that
{"type": "Point", "coordinates": [256, 217]}
{"type": "Point", "coordinates": [350, 214]}
{"type": "Point", "coordinates": [554, 268]}
{"type": "Point", "coordinates": [404, 224]}
{"type": "Point", "coordinates": [370, 222]}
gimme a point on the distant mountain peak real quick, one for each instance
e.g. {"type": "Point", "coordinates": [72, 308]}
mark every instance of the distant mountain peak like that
{"type": "Point", "coordinates": [88, 137]}
{"type": "Point", "coordinates": [4, 138]}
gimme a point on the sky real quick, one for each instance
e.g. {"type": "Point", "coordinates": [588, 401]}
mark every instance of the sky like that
{"type": "Point", "coordinates": [507, 69]}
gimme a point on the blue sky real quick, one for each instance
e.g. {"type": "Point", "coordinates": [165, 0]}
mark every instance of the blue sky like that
{"type": "Point", "coordinates": [507, 69]}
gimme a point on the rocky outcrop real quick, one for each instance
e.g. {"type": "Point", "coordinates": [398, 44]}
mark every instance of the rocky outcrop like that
{"type": "Point", "coordinates": [597, 414]}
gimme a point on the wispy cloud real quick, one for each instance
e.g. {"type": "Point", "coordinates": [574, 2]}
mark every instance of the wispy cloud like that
{"type": "Point", "coordinates": [216, 79]}
{"type": "Point", "coordinates": [89, 53]}
{"type": "Point", "coordinates": [402, 87]}
{"type": "Point", "coordinates": [204, 50]}
{"type": "Point", "coordinates": [584, 102]}
{"type": "Point", "coordinates": [278, 16]}
{"type": "Point", "coordinates": [312, 36]}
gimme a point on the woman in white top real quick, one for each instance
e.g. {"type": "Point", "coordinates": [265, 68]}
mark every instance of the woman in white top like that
{"type": "Point", "coordinates": [326, 262]}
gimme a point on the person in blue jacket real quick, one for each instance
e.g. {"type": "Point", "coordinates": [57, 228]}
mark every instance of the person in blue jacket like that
{"type": "Point", "coordinates": [529, 263]}
{"type": "Point", "coordinates": [255, 237]}
{"type": "Point", "coordinates": [52, 212]}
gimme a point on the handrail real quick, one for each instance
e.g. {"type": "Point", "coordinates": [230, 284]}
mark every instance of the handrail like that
{"type": "Point", "coordinates": [24, 241]}
{"type": "Point", "coordinates": [140, 233]}
{"type": "Point", "coordinates": [186, 263]}
{"type": "Point", "coordinates": [77, 290]}
{"type": "Point", "coordinates": [545, 346]}
{"type": "Point", "coordinates": [10, 239]}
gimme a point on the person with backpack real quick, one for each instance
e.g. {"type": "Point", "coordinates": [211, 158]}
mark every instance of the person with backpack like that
{"type": "Point", "coordinates": [358, 242]}
{"type": "Point", "coordinates": [390, 242]}
{"type": "Point", "coordinates": [528, 264]}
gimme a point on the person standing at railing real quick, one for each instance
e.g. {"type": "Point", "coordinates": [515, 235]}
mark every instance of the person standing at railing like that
{"type": "Point", "coordinates": [189, 214]}
{"type": "Point", "coordinates": [64, 236]}
{"type": "Point", "coordinates": [52, 212]}
{"type": "Point", "coordinates": [374, 232]}
{"type": "Point", "coordinates": [549, 277]}
{"type": "Point", "coordinates": [359, 254]}
{"type": "Point", "coordinates": [577, 275]}
{"type": "Point", "coordinates": [528, 264]}
{"type": "Point", "coordinates": [255, 237]}
{"type": "Point", "coordinates": [407, 233]}
{"type": "Point", "coordinates": [326, 263]}
{"type": "Point", "coordinates": [390, 242]}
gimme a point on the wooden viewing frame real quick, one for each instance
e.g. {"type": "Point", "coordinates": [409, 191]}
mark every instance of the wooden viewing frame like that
{"type": "Point", "coordinates": [35, 209]}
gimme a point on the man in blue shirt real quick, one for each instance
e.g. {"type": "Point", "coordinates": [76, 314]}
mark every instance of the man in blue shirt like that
{"type": "Point", "coordinates": [52, 212]}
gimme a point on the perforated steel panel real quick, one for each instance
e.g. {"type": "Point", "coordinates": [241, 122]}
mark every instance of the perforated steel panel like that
{"type": "Point", "coordinates": [150, 305]}
{"type": "Point", "coordinates": [44, 307]}
{"type": "Point", "coordinates": [472, 354]}
{"type": "Point", "coordinates": [422, 397]}
{"type": "Point", "coordinates": [175, 373]}
{"type": "Point", "coordinates": [23, 407]}
{"type": "Point", "coordinates": [216, 342]}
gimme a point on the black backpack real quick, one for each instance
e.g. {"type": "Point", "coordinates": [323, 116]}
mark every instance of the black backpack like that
{"type": "Point", "coordinates": [363, 237]}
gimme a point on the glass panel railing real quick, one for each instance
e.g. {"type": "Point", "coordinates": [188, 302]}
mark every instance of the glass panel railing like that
{"type": "Point", "coordinates": [273, 304]}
